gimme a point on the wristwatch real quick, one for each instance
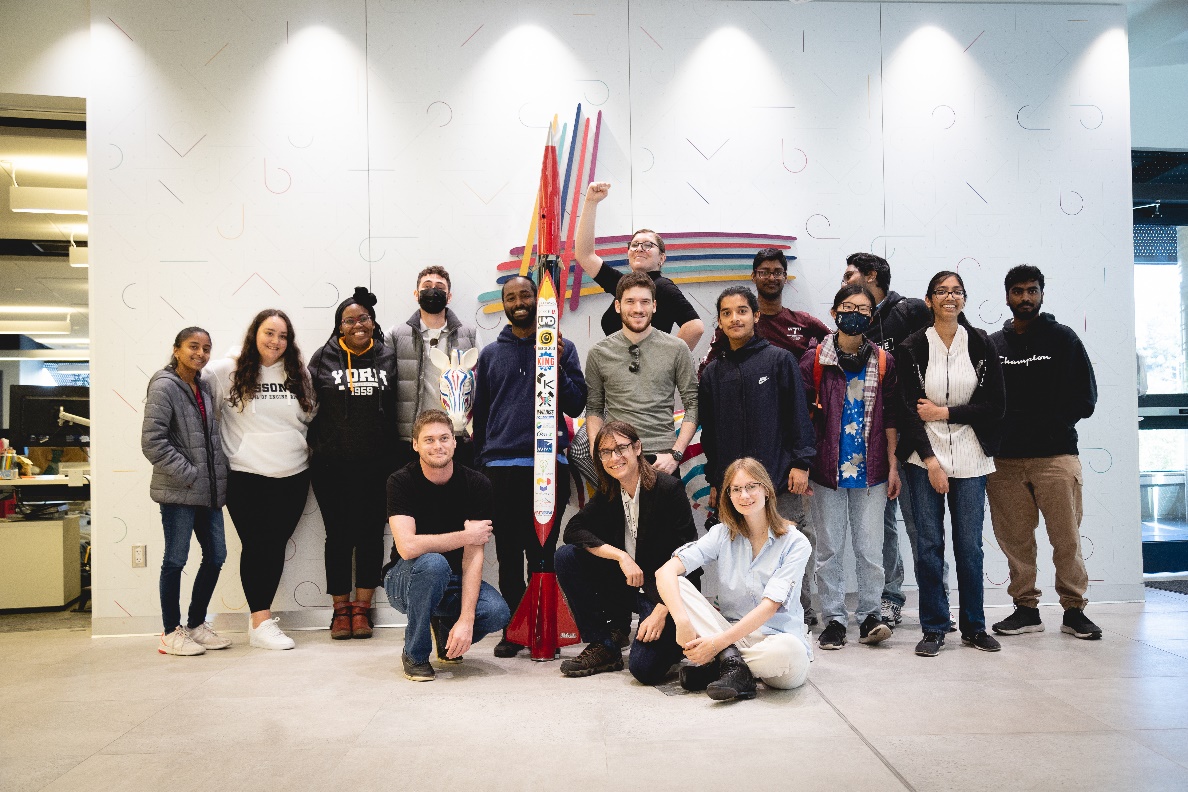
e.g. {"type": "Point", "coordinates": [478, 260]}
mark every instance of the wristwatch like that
{"type": "Point", "coordinates": [677, 455]}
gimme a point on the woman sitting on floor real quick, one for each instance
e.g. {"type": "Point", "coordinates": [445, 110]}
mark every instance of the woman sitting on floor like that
{"type": "Point", "coordinates": [759, 631]}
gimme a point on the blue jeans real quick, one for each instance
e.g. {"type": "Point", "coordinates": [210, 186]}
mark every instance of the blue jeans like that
{"type": "Point", "coordinates": [600, 599]}
{"type": "Point", "coordinates": [967, 512]}
{"type": "Point", "coordinates": [426, 587]}
{"type": "Point", "coordinates": [893, 569]}
{"type": "Point", "coordinates": [180, 522]}
{"type": "Point", "coordinates": [857, 513]}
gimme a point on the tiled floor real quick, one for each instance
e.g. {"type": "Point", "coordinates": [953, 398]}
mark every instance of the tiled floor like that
{"type": "Point", "coordinates": [1048, 712]}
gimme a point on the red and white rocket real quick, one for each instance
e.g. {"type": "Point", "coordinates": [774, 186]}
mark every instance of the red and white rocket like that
{"type": "Point", "coordinates": [543, 622]}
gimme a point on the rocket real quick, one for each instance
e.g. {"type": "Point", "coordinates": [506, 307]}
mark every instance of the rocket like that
{"type": "Point", "coordinates": [543, 622]}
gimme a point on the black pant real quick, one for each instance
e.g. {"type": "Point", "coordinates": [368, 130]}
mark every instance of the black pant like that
{"type": "Point", "coordinates": [601, 600]}
{"type": "Point", "coordinates": [515, 533]}
{"type": "Point", "coordinates": [265, 512]}
{"type": "Point", "coordinates": [353, 500]}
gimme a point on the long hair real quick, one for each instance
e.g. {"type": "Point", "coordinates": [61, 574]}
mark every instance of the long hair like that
{"type": "Point", "coordinates": [180, 339]}
{"type": "Point", "coordinates": [246, 375]}
{"type": "Point", "coordinates": [607, 484]}
{"type": "Point", "coordinates": [936, 280]}
{"type": "Point", "coordinates": [735, 522]}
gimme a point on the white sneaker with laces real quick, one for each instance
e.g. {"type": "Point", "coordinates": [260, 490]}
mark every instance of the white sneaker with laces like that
{"type": "Point", "coordinates": [269, 636]}
{"type": "Point", "coordinates": [179, 643]}
{"type": "Point", "coordinates": [208, 638]}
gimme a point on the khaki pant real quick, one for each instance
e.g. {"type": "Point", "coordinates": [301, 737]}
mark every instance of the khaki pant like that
{"type": "Point", "coordinates": [1019, 491]}
{"type": "Point", "coordinates": [780, 661]}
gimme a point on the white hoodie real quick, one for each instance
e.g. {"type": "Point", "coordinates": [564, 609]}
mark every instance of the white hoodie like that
{"type": "Point", "coordinates": [266, 434]}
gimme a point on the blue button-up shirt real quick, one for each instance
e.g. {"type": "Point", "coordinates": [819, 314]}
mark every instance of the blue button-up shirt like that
{"type": "Point", "coordinates": [743, 582]}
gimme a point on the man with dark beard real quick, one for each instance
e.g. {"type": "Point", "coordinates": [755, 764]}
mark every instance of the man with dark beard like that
{"type": "Point", "coordinates": [1049, 387]}
{"type": "Point", "coordinates": [504, 439]}
{"type": "Point", "coordinates": [781, 326]}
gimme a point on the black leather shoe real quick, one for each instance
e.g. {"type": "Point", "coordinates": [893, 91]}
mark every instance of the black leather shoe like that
{"type": "Point", "coordinates": [736, 681]}
{"type": "Point", "coordinates": [696, 678]}
{"type": "Point", "coordinates": [506, 648]}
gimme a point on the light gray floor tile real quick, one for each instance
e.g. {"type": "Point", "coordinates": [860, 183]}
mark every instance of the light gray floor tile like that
{"type": "Point", "coordinates": [1170, 743]}
{"type": "Point", "coordinates": [1127, 703]}
{"type": "Point", "coordinates": [1039, 762]}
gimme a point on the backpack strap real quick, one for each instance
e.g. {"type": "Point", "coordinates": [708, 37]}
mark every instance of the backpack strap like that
{"type": "Point", "coordinates": [818, 370]}
{"type": "Point", "coordinates": [882, 362]}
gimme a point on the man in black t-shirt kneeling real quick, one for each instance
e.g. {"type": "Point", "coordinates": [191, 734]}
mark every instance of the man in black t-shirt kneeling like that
{"type": "Point", "coordinates": [440, 515]}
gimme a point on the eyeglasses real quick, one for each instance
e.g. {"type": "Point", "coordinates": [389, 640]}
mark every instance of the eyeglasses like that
{"type": "Point", "coordinates": [366, 320]}
{"type": "Point", "coordinates": [770, 274]}
{"type": "Point", "coordinates": [633, 367]}
{"type": "Point", "coordinates": [644, 246]}
{"type": "Point", "coordinates": [947, 292]}
{"type": "Point", "coordinates": [606, 454]}
{"type": "Point", "coordinates": [751, 489]}
{"type": "Point", "coordinates": [848, 307]}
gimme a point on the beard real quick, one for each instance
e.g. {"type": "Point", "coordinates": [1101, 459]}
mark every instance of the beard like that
{"type": "Point", "coordinates": [1027, 314]}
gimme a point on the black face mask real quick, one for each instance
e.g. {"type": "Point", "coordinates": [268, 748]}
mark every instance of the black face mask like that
{"type": "Point", "coordinates": [432, 300]}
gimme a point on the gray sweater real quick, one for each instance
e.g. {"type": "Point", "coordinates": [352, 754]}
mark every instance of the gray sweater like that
{"type": "Point", "coordinates": [189, 466]}
{"type": "Point", "coordinates": [412, 362]}
{"type": "Point", "coordinates": [644, 398]}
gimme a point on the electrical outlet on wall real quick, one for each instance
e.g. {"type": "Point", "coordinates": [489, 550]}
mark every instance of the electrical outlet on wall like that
{"type": "Point", "coordinates": [139, 556]}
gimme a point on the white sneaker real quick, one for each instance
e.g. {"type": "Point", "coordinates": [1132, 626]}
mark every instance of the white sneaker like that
{"type": "Point", "coordinates": [179, 643]}
{"type": "Point", "coordinates": [208, 638]}
{"type": "Point", "coordinates": [269, 636]}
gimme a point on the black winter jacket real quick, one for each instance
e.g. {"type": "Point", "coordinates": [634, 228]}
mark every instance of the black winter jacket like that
{"type": "Point", "coordinates": [984, 411]}
{"type": "Point", "coordinates": [1049, 387]}
{"type": "Point", "coordinates": [751, 402]}
{"type": "Point", "coordinates": [897, 318]}
{"type": "Point", "coordinates": [354, 425]}
{"type": "Point", "coordinates": [665, 523]}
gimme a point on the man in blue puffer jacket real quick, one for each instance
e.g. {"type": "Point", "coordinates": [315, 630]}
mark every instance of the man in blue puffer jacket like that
{"type": "Point", "coordinates": [504, 440]}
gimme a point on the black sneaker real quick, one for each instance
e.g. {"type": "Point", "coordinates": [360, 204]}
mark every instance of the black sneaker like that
{"type": "Point", "coordinates": [417, 672]}
{"type": "Point", "coordinates": [506, 648]}
{"type": "Point", "coordinates": [736, 681]}
{"type": "Point", "coordinates": [594, 659]}
{"type": "Point", "coordinates": [1023, 620]}
{"type": "Point", "coordinates": [696, 678]}
{"type": "Point", "coordinates": [931, 645]}
{"type": "Point", "coordinates": [873, 630]}
{"type": "Point", "coordinates": [1077, 623]}
{"type": "Point", "coordinates": [833, 636]}
{"type": "Point", "coordinates": [441, 634]}
{"type": "Point", "coordinates": [622, 638]}
{"type": "Point", "coordinates": [810, 618]}
{"type": "Point", "coordinates": [982, 640]}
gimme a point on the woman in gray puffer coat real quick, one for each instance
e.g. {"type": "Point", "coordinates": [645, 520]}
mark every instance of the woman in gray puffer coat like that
{"type": "Point", "coordinates": [189, 482]}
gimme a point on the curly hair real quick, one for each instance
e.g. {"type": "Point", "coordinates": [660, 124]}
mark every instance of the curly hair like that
{"type": "Point", "coordinates": [246, 375]}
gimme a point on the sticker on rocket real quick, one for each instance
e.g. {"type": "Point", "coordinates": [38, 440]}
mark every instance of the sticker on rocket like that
{"type": "Point", "coordinates": [545, 337]}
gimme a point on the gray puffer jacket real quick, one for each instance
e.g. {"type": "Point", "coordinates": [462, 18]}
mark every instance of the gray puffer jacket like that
{"type": "Point", "coordinates": [189, 466]}
{"type": "Point", "coordinates": [407, 341]}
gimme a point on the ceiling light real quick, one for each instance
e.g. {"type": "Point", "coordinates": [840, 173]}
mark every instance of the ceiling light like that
{"type": "Point", "coordinates": [41, 309]}
{"type": "Point", "coordinates": [64, 341]}
{"type": "Point", "coordinates": [35, 326]}
{"type": "Point", "coordinates": [79, 256]}
{"type": "Point", "coordinates": [44, 354]}
{"type": "Point", "coordinates": [48, 200]}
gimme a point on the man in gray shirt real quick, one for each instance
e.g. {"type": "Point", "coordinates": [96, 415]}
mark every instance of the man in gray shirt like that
{"type": "Point", "coordinates": [632, 375]}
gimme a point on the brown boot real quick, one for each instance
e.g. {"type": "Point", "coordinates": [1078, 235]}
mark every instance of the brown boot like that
{"type": "Point", "coordinates": [340, 625]}
{"type": "Point", "coordinates": [360, 619]}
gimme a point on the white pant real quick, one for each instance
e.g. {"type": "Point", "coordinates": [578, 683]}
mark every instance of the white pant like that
{"type": "Point", "coordinates": [780, 661]}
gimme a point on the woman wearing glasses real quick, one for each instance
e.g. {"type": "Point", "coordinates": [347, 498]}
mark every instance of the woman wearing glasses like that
{"type": "Point", "coordinates": [952, 406]}
{"type": "Point", "coordinates": [851, 385]}
{"type": "Point", "coordinates": [612, 548]}
{"type": "Point", "coordinates": [757, 630]}
{"type": "Point", "coordinates": [352, 439]}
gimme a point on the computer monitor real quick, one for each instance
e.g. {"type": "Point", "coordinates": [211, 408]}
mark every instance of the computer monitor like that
{"type": "Point", "coordinates": [36, 415]}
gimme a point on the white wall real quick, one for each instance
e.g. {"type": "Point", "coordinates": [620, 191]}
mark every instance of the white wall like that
{"type": "Point", "coordinates": [44, 47]}
{"type": "Point", "coordinates": [230, 159]}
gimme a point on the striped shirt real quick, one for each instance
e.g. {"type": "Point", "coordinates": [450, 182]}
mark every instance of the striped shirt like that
{"type": "Point", "coordinates": [950, 381]}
